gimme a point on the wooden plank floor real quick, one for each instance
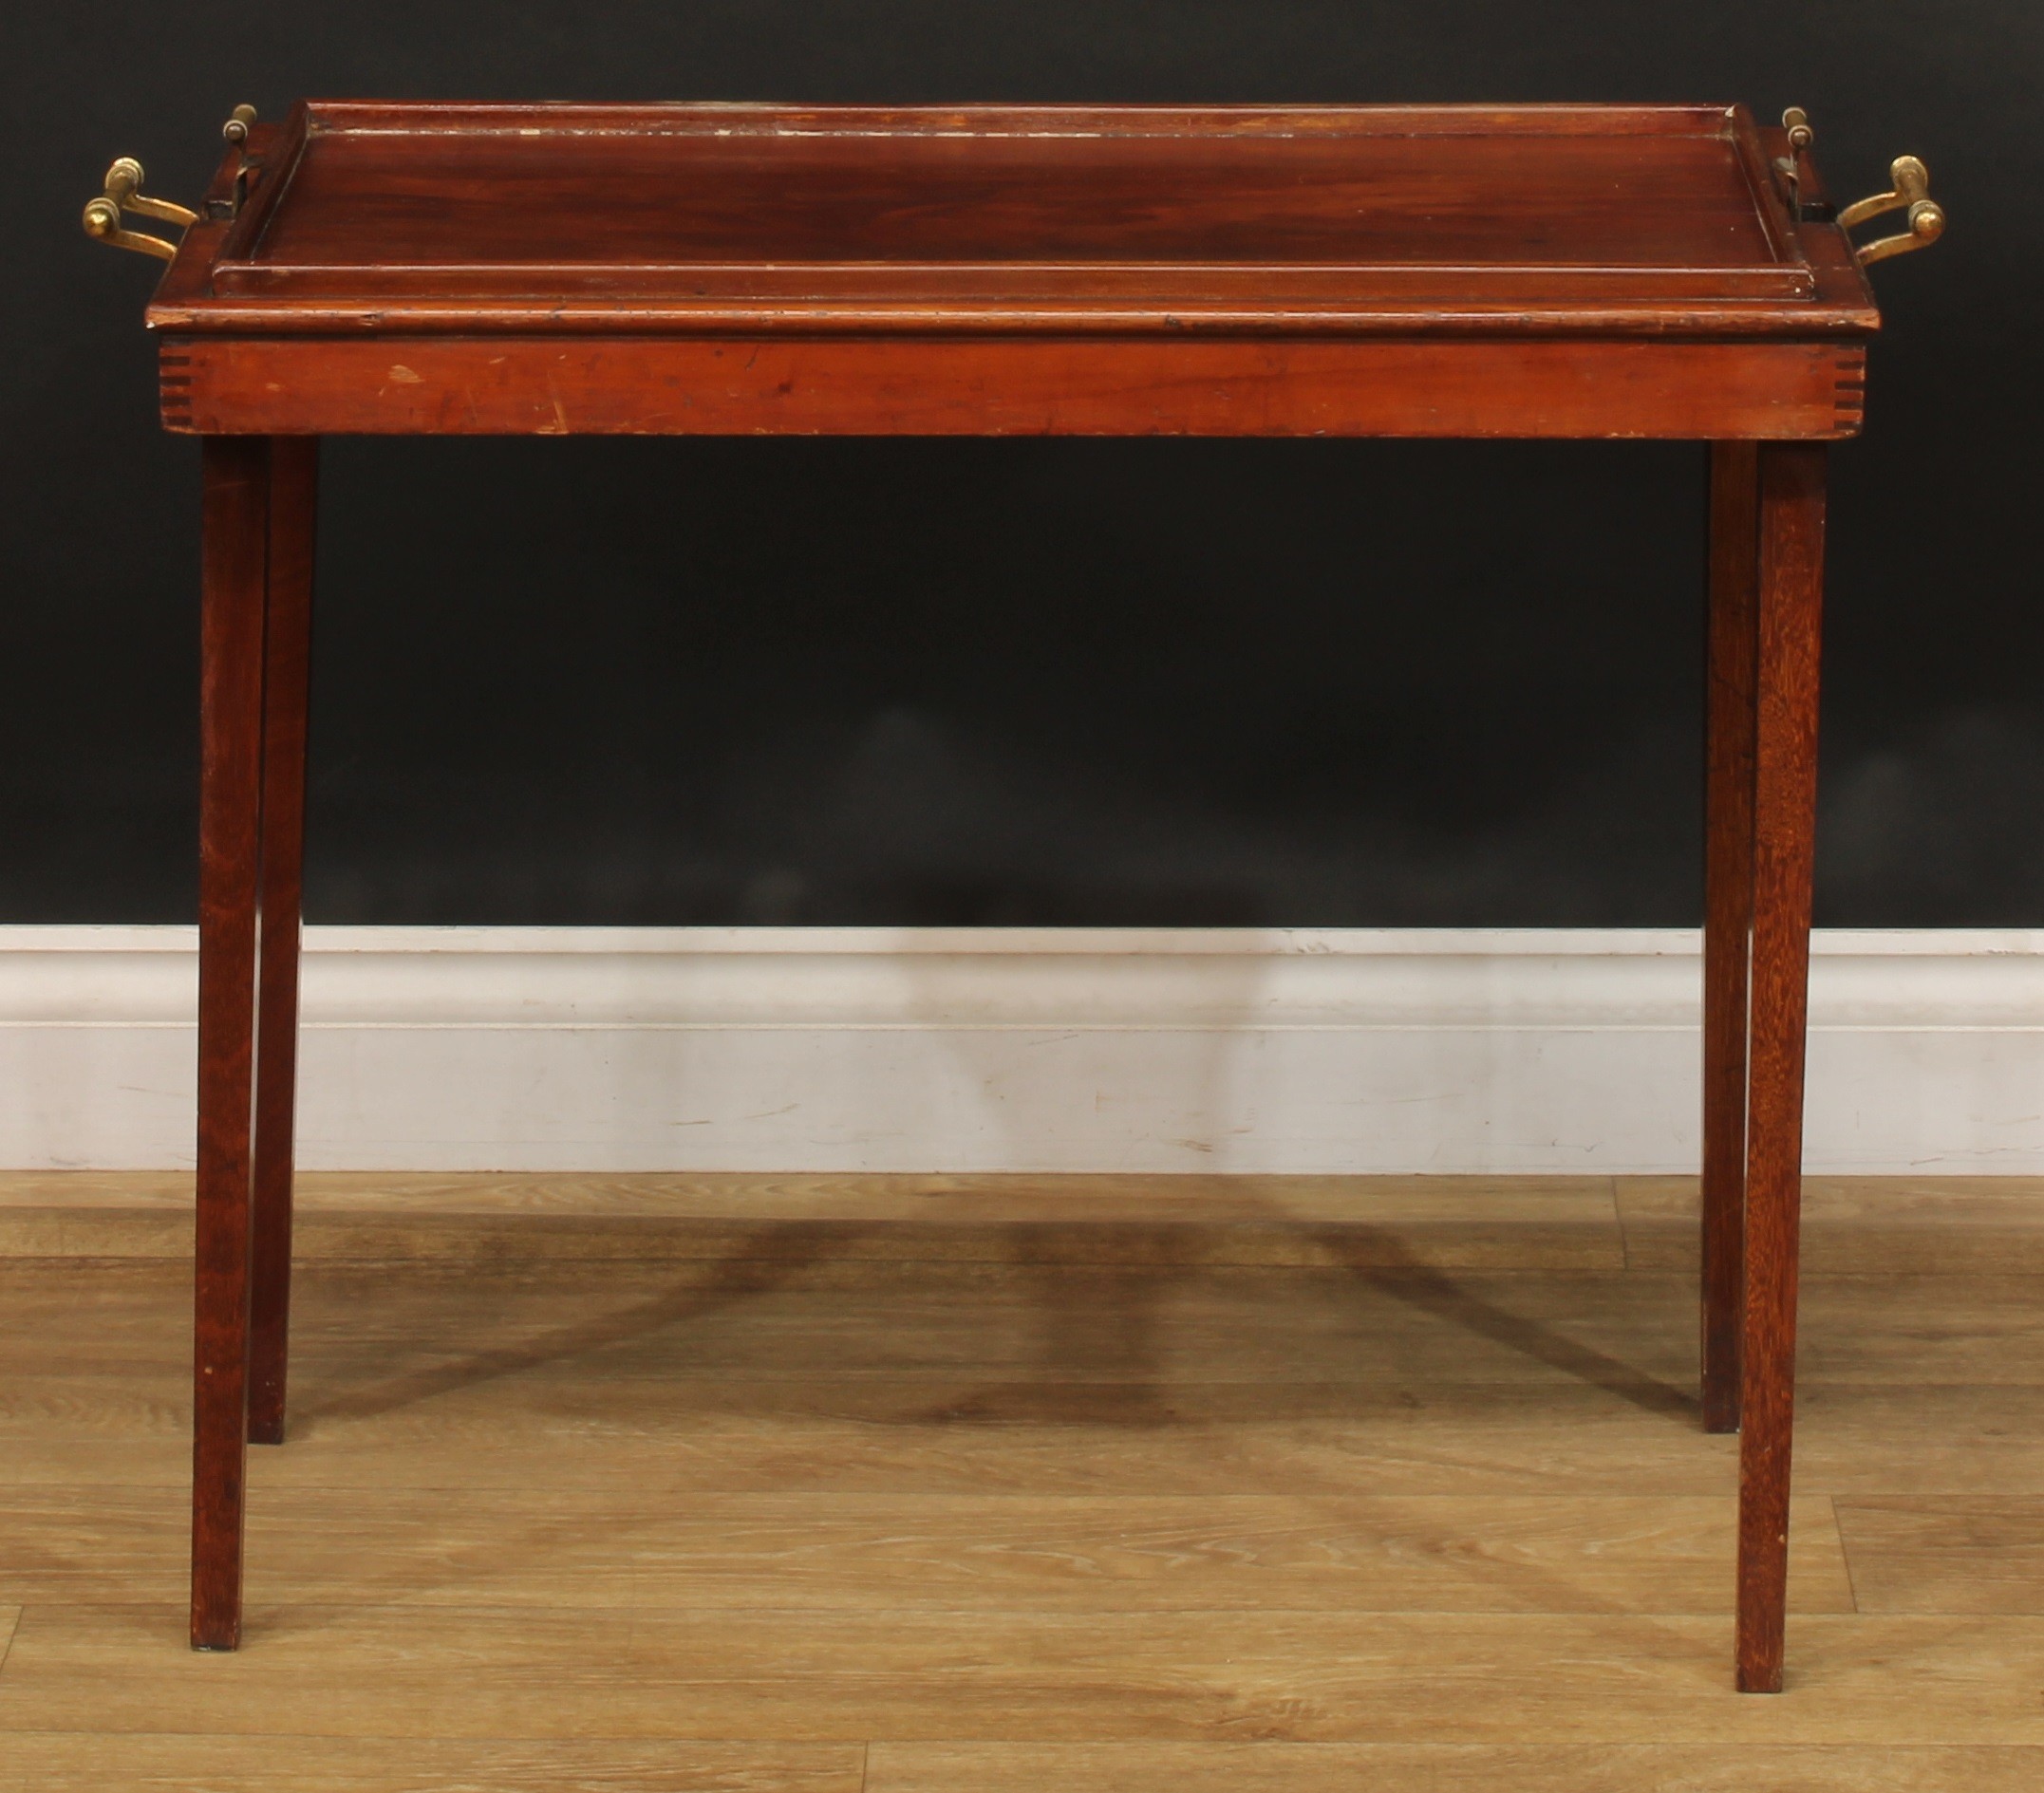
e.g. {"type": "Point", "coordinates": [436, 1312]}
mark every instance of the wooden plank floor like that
{"type": "Point", "coordinates": [906, 1484]}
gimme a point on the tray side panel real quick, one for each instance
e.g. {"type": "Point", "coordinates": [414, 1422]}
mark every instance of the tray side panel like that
{"type": "Point", "coordinates": [1388, 387]}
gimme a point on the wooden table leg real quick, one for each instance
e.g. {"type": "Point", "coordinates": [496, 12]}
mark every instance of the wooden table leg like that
{"type": "Point", "coordinates": [236, 555]}
{"type": "Point", "coordinates": [1726, 913]}
{"type": "Point", "coordinates": [294, 499]}
{"type": "Point", "coordinates": [1791, 486]}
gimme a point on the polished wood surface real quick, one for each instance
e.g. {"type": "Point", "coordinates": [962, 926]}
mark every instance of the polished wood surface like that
{"type": "Point", "coordinates": [1019, 203]}
{"type": "Point", "coordinates": [1790, 589]}
{"type": "Point", "coordinates": [562, 386]}
{"type": "Point", "coordinates": [1733, 644]}
{"type": "Point", "coordinates": [838, 1500]}
{"type": "Point", "coordinates": [286, 671]}
{"type": "Point", "coordinates": [235, 548]}
{"type": "Point", "coordinates": [1597, 271]}
{"type": "Point", "coordinates": [385, 217]}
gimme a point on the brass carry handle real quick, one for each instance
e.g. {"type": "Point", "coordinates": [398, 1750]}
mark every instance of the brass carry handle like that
{"type": "Point", "coordinates": [123, 187]}
{"type": "Point", "coordinates": [102, 220]}
{"type": "Point", "coordinates": [1911, 190]}
{"type": "Point", "coordinates": [122, 193]}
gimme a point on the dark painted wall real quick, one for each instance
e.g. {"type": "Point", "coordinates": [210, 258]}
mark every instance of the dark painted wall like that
{"type": "Point", "coordinates": [1012, 682]}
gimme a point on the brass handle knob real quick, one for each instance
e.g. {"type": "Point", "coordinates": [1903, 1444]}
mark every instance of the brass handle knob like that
{"type": "Point", "coordinates": [123, 194]}
{"type": "Point", "coordinates": [102, 220]}
{"type": "Point", "coordinates": [1800, 135]}
{"type": "Point", "coordinates": [1911, 190]}
{"type": "Point", "coordinates": [123, 187]}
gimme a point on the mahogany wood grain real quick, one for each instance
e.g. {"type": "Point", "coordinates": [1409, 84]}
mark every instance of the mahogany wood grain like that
{"type": "Point", "coordinates": [235, 553]}
{"type": "Point", "coordinates": [879, 209]}
{"type": "Point", "coordinates": [1727, 912]}
{"type": "Point", "coordinates": [1792, 517]}
{"type": "Point", "coordinates": [1019, 387]}
{"type": "Point", "coordinates": [295, 475]}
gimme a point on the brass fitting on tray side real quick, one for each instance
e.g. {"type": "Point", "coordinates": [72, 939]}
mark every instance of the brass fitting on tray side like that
{"type": "Point", "coordinates": [122, 193]}
{"type": "Point", "coordinates": [1911, 190]}
{"type": "Point", "coordinates": [1788, 168]}
{"type": "Point", "coordinates": [123, 187]}
{"type": "Point", "coordinates": [102, 220]}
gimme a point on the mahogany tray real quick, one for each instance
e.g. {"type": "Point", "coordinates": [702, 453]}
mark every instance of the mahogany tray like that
{"type": "Point", "coordinates": [1309, 259]}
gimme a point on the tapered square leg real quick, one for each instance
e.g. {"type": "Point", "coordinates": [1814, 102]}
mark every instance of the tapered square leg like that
{"type": "Point", "coordinates": [294, 499]}
{"type": "Point", "coordinates": [1791, 485]}
{"type": "Point", "coordinates": [1727, 912]}
{"type": "Point", "coordinates": [236, 557]}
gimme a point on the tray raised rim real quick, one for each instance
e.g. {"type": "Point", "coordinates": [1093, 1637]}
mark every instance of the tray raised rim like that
{"type": "Point", "coordinates": [219, 282]}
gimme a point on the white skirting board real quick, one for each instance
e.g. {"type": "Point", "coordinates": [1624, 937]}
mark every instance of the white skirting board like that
{"type": "Point", "coordinates": [1023, 1049]}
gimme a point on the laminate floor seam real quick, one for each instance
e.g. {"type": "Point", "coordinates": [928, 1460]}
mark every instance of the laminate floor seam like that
{"type": "Point", "coordinates": [1628, 1255]}
{"type": "Point", "coordinates": [1845, 1551]}
{"type": "Point", "coordinates": [707, 1740]}
{"type": "Point", "coordinates": [1049, 1616]}
{"type": "Point", "coordinates": [1640, 1614]}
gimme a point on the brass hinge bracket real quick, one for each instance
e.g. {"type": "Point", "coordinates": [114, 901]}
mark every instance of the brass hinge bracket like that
{"type": "Point", "coordinates": [1802, 134]}
{"type": "Point", "coordinates": [122, 193]}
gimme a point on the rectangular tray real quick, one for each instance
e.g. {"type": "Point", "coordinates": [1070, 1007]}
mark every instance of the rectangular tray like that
{"type": "Point", "coordinates": [699, 218]}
